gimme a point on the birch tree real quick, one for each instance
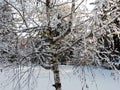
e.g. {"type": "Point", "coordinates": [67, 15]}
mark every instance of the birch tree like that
{"type": "Point", "coordinates": [50, 34]}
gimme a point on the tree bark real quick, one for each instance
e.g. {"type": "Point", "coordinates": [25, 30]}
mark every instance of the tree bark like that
{"type": "Point", "coordinates": [72, 10]}
{"type": "Point", "coordinates": [48, 9]}
{"type": "Point", "coordinates": [55, 67]}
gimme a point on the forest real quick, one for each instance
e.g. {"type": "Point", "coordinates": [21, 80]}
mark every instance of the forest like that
{"type": "Point", "coordinates": [51, 33]}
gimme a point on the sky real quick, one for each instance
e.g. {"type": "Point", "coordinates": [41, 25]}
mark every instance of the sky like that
{"type": "Point", "coordinates": [87, 3]}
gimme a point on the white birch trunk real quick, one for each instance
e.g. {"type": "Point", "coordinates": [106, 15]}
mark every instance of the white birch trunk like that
{"type": "Point", "coordinates": [55, 67]}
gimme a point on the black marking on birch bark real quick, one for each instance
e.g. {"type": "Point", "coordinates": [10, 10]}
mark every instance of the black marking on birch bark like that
{"type": "Point", "coordinates": [57, 85]}
{"type": "Point", "coordinates": [56, 71]}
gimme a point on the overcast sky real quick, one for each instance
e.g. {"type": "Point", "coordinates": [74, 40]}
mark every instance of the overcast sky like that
{"type": "Point", "coordinates": [87, 3]}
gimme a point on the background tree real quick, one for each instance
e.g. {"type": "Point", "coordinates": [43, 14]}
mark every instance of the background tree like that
{"type": "Point", "coordinates": [106, 31]}
{"type": "Point", "coordinates": [8, 38]}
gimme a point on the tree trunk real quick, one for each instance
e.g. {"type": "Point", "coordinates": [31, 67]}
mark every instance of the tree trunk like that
{"type": "Point", "coordinates": [56, 73]}
{"type": "Point", "coordinates": [48, 9]}
{"type": "Point", "coordinates": [72, 10]}
{"type": "Point", "coordinates": [55, 67]}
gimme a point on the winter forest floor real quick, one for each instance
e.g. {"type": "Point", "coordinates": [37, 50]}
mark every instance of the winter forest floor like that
{"type": "Point", "coordinates": [82, 78]}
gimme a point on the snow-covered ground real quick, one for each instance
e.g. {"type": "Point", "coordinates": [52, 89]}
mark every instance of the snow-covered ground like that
{"type": "Point", "coordinates": [40, 79]}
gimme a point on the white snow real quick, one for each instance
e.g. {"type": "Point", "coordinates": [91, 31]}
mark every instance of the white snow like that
{"type": "Point", "coordinates": [41, 79]}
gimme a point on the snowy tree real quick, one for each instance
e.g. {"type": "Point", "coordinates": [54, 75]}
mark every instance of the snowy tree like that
{"type": "Point", "coordinates": [106, 17]}
{"type": "Point", "coordinates": [48, 33]}
{"type": "Point", "coordinates": [51, 33]}
{"type": "Point", "coordinates": [7, 35]}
